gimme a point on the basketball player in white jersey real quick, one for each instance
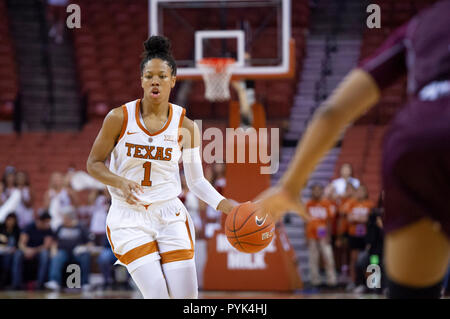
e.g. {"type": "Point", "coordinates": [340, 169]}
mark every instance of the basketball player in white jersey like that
{"type": "Point", "coordinates": [148, 227]}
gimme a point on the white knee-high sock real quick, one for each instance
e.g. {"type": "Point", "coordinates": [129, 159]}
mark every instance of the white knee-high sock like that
{"type": "Point", "coordinates": [181, 278]}
{"type": "Point", "coordinates": [150, 280]}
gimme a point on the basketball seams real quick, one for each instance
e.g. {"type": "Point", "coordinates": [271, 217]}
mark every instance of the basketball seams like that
{"type": "Point", "coordinates": [245, 221]}
{"type": "Point", "coordinates": [234, 226]}
{"type": "Point", "coordinates": [253, 232]}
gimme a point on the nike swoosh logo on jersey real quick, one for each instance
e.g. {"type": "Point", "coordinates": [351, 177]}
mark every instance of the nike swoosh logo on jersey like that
{"type": "Point", "coordinates": [260, 221]}
{"type": "Point", "coordinates": [177, 214]}
{"type": "Point", "coordinates": [130, 133]}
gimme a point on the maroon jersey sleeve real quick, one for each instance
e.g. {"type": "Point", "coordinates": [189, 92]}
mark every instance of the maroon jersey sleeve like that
{"type": "Point", "coordinates": [388, 62]}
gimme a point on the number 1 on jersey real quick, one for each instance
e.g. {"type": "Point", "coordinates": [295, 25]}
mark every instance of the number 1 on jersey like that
{"type": "Point", "coordinates": [146, 181]}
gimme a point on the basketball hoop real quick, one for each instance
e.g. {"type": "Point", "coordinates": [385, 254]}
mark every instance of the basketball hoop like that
{"type": "Point", "coordinates": [216, 74]}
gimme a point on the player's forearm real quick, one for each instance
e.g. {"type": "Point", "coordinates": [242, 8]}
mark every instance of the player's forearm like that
{"type": "Point", "coordinates": [100, 172]}
{"type": "Point", "coordinates": [196, 181]}
{"type": "Point", "coordinates": [204, 191]}
{"type": "Point", "coordinates": [353, 97]}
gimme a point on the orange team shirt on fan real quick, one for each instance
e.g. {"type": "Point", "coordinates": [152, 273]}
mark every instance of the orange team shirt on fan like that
{"type": "Point", "coordinates": [320, 214]}
{"type": "Point", "coordinates": [357, 217]}
{"type": "Point", "coordinates": [333, 214]}
{"type": "Point", "coordinates": [344, 206]}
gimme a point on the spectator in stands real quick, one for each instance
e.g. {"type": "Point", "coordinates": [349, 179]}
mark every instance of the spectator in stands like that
{"type": "Point", "coordinates": [99, 211]}
{"type": "Point", "coordinates": [2, 193]}
{"type": "Point", "coordinates": [357, 217]}
{"type": "Point", "coordinates": [346, 177]}
{"type": "Point", "coordinates": [57, 19]}
{"type": "Point", "coordinates": [72, 244]}
{"type": "Point", "coordinates": [332, 200]}
{"type": "Point", "coordinates": [11, 195]}
{"type": "Point", "coordinates": [59, 195]}
{"type": "Point", "coordinates": [341, 243]}
{"type": "Point", "coordinates": [9, 180]}
{"type": "Point", "coordinates": [25, 210]}
{"type": "Point", "coordinates": [373, 253]}
{"type": "Point", "coordinates": [9, 239]}
{"type": "Point", "coordinates": [34, 245]}
{"type": "Point", "coordinates": [105, 261]}
{"type": "Point", "coordinates": [318, 231]}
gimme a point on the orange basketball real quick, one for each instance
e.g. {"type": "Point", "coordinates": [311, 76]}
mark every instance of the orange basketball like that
{"type": "Point", "coordinates": [245, 231]}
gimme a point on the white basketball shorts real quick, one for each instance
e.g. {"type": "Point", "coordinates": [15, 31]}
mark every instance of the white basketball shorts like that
{"type": "Point", "coordinates": [140, 234]}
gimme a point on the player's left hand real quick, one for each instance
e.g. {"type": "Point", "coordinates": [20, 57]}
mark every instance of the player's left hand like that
{"type": "Point", "coordinates": [276, 202]}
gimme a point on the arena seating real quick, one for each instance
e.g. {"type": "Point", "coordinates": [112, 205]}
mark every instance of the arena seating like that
{"type": "Point", "coordinates": [8, 70]}
{"type": "Point", "coordinates": [107, 52]}
{"type": "Point", "coordinates": [41, 153]}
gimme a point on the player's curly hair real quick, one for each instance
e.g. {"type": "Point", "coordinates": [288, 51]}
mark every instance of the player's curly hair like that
{"type": "Point", "coordinates": [158, 47]}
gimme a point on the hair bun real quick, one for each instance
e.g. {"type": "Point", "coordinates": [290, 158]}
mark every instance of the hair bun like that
{"type": "Point", "coordinates": [157, 45]}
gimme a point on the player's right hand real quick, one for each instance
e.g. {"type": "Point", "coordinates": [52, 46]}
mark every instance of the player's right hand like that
{"type": "Point", "coordinates": [276, 202]}
{"type": "Point", "coordinates": [129, 189]}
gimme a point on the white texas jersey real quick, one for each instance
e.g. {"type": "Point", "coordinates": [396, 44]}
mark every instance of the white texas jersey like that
{"type": "Point", "coordinates": [148, 159]}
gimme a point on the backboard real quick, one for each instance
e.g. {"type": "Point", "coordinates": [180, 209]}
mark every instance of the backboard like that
{"type": "Point", "coordinates": [256, 33]}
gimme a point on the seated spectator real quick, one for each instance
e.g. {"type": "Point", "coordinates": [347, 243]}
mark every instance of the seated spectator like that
{"type": "Point", "coordinates": [9, 180]}
{"type": "Point", "coordinates": [318, 233]}
{"type": "Point", "coordinates": [34, 245]}
{"type": "Point", "coordinates": [9, 238]}
{"type": "Point", "coordinates": [71, 244]}
{"type": "Point", "coordinates": [54, 187]}
{"type": "Point", "coordinates": [357, 217]}
{"type": "Point", "coordinates": [59, 195]}
{"type": "Point", "coordinates": [99, 211]}
{"type": "Point", "coordinates": [346, 177]}
{"type": "Point", "coordinates": [11, 195]}
{"type": "Point", "coordinates": [373, 253]}
{"type": "Point", "coordinates": [24, 211]}
{"type": "Point", "coordinates": [106, 261]}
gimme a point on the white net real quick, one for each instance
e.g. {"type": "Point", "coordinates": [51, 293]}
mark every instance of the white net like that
{"type": "Point", "coordinates": [216, 74]}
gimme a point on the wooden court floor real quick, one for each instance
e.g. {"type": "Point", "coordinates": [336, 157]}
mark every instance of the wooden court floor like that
{"type": "Point", "coordinates": [132, 294]}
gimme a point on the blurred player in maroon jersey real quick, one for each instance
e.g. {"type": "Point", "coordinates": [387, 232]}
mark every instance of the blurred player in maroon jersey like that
{"type": "Point", "coordinates": [416, 150]}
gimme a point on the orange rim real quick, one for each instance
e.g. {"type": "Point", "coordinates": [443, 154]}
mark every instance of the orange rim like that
{"type": "Point", "coordinates": [219, 64]}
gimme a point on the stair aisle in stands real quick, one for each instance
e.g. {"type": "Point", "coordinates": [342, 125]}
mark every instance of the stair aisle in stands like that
{"type": "Point", "coordinates": [332, 49]}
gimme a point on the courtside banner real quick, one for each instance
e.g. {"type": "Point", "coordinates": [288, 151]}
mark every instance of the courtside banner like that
{"type": "Point", "coordinates": [272, 269]}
